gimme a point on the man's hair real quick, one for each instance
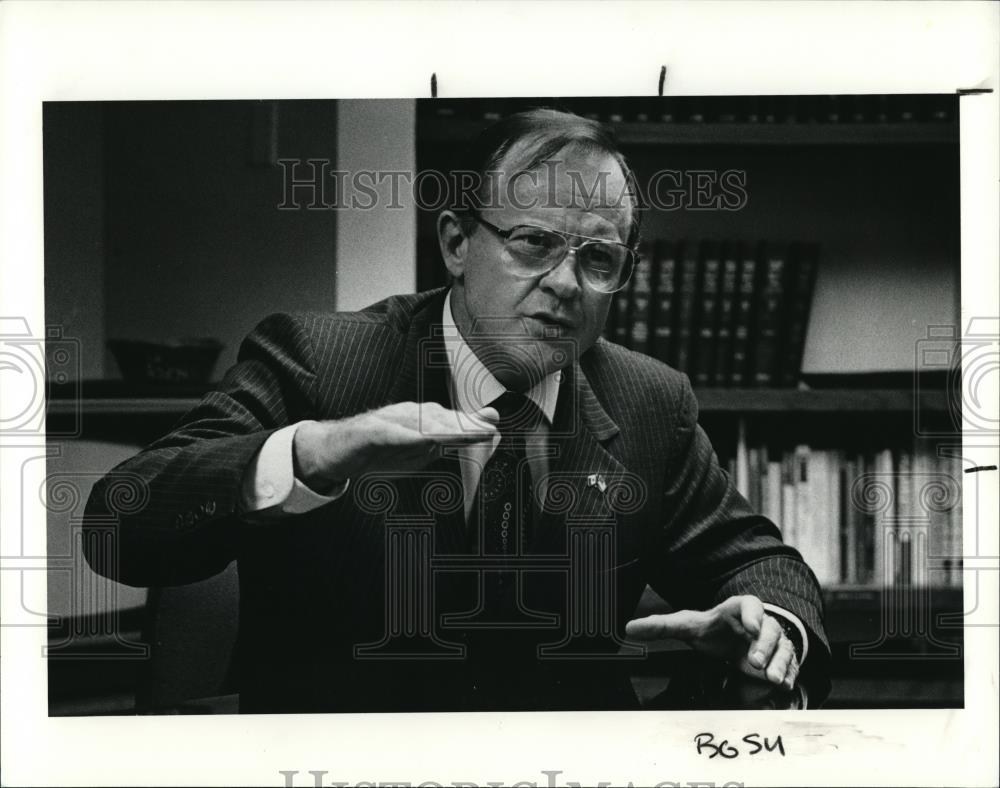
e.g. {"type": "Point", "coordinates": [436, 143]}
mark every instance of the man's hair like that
{"type": "Point", "coordinates": [539, 134]}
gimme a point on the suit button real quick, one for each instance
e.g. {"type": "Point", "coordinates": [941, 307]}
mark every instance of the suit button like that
{"type": "Point", "coordinates": [267, 490]}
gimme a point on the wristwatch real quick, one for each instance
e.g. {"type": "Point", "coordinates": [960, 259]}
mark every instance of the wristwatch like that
{"type": "Point", "coordinates": [792, 633]}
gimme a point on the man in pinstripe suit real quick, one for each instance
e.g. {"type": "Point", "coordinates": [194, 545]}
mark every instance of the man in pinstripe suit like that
{"type": "Point", "coordinates": [344, 463]}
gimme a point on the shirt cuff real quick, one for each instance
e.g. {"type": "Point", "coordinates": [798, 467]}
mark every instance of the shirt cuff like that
{"type": "Point", "coordinates": [269, 485]}
{"type": "Point", "coordinates": [794, 619]}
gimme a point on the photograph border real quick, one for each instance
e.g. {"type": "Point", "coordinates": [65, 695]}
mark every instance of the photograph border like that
{"type": "Point", "coordinates": [117, 51]}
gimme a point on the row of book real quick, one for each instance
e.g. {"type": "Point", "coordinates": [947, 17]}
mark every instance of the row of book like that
{"type": "Point", "coordinates": [898, 108]}
{"type": "Point", "coordinates": [890, 517]}
{"type": "Point", "coordinates": [728, 314]}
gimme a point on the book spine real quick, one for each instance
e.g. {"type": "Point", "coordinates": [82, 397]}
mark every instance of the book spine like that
{"type": "Point", "coordinates": [687, 291]}
{"type": "Point", "coordinates": [835, 515]}
{"type": "Point", "coordinates": [773, 495]}
{"type": "Point", "coordinates": [842, 526]}
{"type": "Point", "coordinates": [742, 319]}
{"type": "Point", "coordinates": [754, 478]}
{"type": "Point", "coordinates": [802, 279]}
{"type": "Point", "coordinates": [925, 539]}
{"type": "Point", "coordinates": [816, 547]}
{"type": "Point", "coordinates": [727, 310]}
{"type": "Point", "coordinates": [803, 504]}
{"type": "Point", "coordinates": [871, 567]}
{"type": "Point", "coordinates": [662, 313]}
{"type": "Point", "coordinates": [620, 308]}
{"type": "Point", "coordinates": [789, 509]}
{"type": "Point", "coordinates": [884, 553]}
{"type": "Point", "coordinates": [946, 522]}
{"type": "Point", "coordinates": [955, 539]}
{"type": "Point", "coordinates": [742, 475]}
{"type": "Point", "coordinates": [849, 515]}
{"type": "Point", "coordinates": [707, 316]}
{"type": "Point", "coordinates": [640, 307]}
{"type": "Point", "coordinates": [905, 515]}
{"type": "Point", "coordinates": [767, 329]}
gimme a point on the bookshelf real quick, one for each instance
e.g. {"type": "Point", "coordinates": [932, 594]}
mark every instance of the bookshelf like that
{"type": "Point", "coordinates": [839, 172]}
{"type": "Point", "coordinates": [631, 134]}
{"type": "Point", "coordinates": [122, 406]}
{"type": "Point", "coordinates": [828, 401]}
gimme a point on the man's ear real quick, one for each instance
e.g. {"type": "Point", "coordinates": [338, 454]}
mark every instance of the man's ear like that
{"type": "Point", "coordinates": [454, 243]}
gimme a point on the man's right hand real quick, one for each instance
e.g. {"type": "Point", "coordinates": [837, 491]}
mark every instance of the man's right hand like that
{"type": "Point", "coordinates": [404, 436]}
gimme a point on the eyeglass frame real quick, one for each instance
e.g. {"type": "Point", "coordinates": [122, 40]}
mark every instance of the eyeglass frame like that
{"type": "Point", "coordinates": [631, 260]}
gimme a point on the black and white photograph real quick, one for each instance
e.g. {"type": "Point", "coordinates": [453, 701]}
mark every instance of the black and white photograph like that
{"type": "Point", "coordinates": [360, 416]}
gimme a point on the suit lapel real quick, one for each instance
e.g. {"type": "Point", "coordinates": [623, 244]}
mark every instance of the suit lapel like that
{"type": "Point", "coordinates": [582, 473]}
{"type": "Point", "coordinates": [424, 376]}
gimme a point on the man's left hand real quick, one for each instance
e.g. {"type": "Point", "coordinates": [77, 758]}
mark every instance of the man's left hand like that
{"type": "Point", "coordinates": [737, 630]}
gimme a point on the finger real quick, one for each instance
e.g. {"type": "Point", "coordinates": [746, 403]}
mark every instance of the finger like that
{"type": "Point", "coordinates": [793, 671]}
{"type": "Point", "coordinates": [462, 438]}
{"type": "Point", "coordinates": [456, 426]}
{"type": "Point", "coordinates": [777, 669]}
{"type": "Point", "coordinates": [424, 443]}
{"type": "Point", "coordinates": [763, 646]}
{"type": "Point", "coordinates": [430, 418]}
{"type": "Point", "coordinates": [682, 625]}
{"type": "Point", "coordinates": [492, 415]}
{"type": "Point", "coordinates": [751, 615]}
{"type": "Point", "coordinates": [451, 432]}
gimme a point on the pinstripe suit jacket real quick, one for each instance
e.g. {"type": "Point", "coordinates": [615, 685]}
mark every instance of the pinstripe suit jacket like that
{"type": "Point", "coordinates": [316, 588]}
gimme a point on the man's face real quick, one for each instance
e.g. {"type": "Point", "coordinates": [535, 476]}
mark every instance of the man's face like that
{"type": "Point", "coordinates": [508, 318]}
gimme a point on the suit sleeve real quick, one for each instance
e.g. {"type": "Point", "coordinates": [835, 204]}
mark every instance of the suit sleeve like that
{"type": "Point", "coordinates": [171, 514]}
{"type": "Point", "coordinates": [716, 546]}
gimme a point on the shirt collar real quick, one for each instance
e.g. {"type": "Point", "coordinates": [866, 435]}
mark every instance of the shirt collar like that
{"type": "Point", "coordinates": [474, 386]}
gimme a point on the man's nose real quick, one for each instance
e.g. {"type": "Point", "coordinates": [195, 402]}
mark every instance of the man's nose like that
{"type": "Point", "coordinates": [563, 280]}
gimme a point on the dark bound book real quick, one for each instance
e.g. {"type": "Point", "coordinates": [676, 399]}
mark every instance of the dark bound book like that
{"type": "Point", "coordinates": [687, 293]}
{"type": "Point", "coordinates": [746, 288]}
{"type": "Point", "coordinates": [641, 293]}
{"type": "Point", "coordinates": [620, 316]}
{"type": "Point", "coordinates": [707, 317]}
{"type": "Point", "coordinates": [727, 309]}
{"type": "Point", "coordinates": [803, 259]}
{"type": "Point", "coordinates": [664, 286]}
{"type": "Point", "coordinates": [766, 339]}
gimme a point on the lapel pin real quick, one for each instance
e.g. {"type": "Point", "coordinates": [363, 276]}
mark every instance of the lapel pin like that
{"type": "Point", "coordinates": [597, 480]}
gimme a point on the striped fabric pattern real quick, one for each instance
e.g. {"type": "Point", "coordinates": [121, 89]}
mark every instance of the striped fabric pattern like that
{"type": "Point", "coordinates": [678, 522]}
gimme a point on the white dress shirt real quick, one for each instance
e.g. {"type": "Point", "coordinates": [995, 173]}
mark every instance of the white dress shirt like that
{"type": "Point", "coordinates": [270, 489]}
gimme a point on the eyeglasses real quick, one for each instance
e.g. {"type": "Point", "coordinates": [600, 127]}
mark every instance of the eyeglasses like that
{"type": "Point", "coordinates": [530, 251]}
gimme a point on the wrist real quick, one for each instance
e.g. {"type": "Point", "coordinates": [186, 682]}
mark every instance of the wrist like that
{"type": "Point", "coordinates": [308, 459]}
{"type": "Point", "coordinates": [791, 632]}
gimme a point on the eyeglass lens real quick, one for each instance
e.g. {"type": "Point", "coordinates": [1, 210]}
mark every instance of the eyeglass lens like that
{"type": "Point", "coordinates": [531, 250]}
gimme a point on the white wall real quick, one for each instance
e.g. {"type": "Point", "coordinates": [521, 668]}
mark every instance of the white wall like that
{"type": "Point", "coordinates": [197, 245]}
{"type": "Point", "coordinates": [886, 219]}
{"type": "Point", "coordinates": [376, 254]}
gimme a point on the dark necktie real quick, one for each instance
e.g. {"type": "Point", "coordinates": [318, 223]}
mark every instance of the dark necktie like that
{"type": "Point", "coordinates": [502, 516]}
{"type": "Point", "coordinates": [502, 508]}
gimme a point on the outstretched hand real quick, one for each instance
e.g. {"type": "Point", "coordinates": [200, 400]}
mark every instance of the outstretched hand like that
{"type": "Point", "coordinates": [737, 630]}
{"type": "Point", "coordinates": [401, 437]}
